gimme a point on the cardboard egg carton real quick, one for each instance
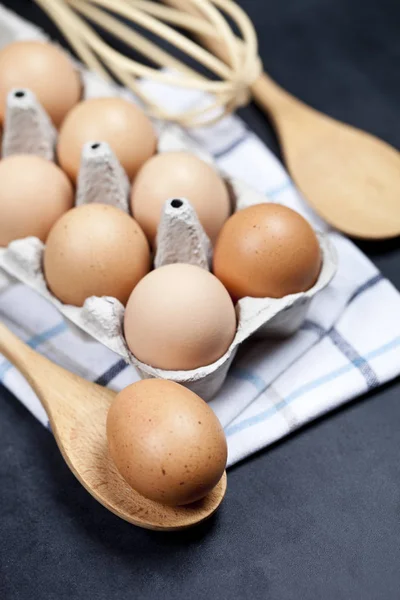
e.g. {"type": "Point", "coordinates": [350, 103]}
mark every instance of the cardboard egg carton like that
{"type": "Point", "coordinates": [181, 238]}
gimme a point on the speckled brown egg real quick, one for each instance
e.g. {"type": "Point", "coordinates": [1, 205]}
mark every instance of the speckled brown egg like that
{"type": "Point", "coordinates": [267, 250]}
{"type": "Point", "coordinates": [95, 250]}
{"type": "Point", "coordinates": [46, 70]}
{"type": "Point", "coordinates": [120, 123]}
{"type": "Point", "coordinates": [34, 193]}
{"type": "Point", "coordinates": [174, 174]}
{"type": "Point", "coordinates": [166, 441]}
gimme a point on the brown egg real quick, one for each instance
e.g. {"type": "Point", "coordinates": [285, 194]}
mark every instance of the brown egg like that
{"type": "Point", "coordinates": [95, 250]}
{"type": "Point", "coordinates": [172, 174]}
{"type": "Point", "coordinates": [118, 122]}
{"type": "Point", "coordinates": [166, 442]}
{"type": "Point", "coordinates": [34, 193]}
{"type": "Point", "coordinates": [44, 69]}
{"type": "Point", "coordinates": [179, 317]}
{"type": "Point", "coordinates": [267, 250]}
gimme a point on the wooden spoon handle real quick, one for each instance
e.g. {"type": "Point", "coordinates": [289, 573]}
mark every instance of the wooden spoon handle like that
{"type": "Point", "coordinates": [45, 378]}
{"type": "Point", "coordinates": [273, 99]}
{"type": "Point", "coordinates": [35, 368]}
{"type": "Point", "coordinates": [18, 353]}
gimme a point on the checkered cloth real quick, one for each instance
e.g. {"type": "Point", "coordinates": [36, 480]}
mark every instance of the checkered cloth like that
{"type": "Point", "coordinates": [349, 344]}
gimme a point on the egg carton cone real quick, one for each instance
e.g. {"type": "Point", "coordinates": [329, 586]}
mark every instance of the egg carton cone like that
{"type": "Point", "coordinates": [101, 177]}
{"type": "Point", "coordinates": [181, 237]}
{"type": "Point", "coordinates": [27, 128]}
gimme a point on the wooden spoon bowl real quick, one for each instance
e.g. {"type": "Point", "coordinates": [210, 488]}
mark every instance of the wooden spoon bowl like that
{"type": "Point", "coordinates": [350, 177]}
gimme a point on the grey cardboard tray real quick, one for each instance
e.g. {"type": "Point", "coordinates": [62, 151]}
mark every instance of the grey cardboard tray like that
{"type": "Point", "coordinates": [181, 238]}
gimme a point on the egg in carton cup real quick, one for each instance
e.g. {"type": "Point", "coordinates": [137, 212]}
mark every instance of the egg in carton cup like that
{"type": "Point", "coordinates": [180, 239]}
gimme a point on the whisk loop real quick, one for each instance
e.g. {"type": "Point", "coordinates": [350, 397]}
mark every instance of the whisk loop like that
{"type": "Point", "coordinates": [205, 19]}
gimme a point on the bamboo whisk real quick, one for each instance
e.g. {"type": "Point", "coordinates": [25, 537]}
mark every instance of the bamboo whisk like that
{"type": "Point", "coordinates": [234, 75]}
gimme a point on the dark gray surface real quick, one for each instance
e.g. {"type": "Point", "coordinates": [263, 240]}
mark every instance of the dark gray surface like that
{"type": "Point", "coordinates": [315, 517]}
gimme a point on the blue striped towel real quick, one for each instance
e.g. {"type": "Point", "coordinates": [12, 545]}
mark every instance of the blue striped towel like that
{"type": "Point", "coordinates": [349, 344]}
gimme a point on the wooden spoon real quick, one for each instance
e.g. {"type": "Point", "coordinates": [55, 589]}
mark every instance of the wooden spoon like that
{"type": "Point", "coordinates": [351, 178]}
{"type": "Point", "coordinates": [77, 410]}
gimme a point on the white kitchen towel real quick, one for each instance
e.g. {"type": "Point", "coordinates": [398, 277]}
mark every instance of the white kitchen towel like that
{"type": "Point", "coordinates": [349, 344]}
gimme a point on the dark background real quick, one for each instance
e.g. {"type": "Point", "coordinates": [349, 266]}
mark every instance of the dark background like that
{"type": "Point", "coordinates": [317, 516]}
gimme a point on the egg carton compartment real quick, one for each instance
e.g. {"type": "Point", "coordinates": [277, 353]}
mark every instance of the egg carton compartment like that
{"type": "Point", "coordinates": [181, 238]}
